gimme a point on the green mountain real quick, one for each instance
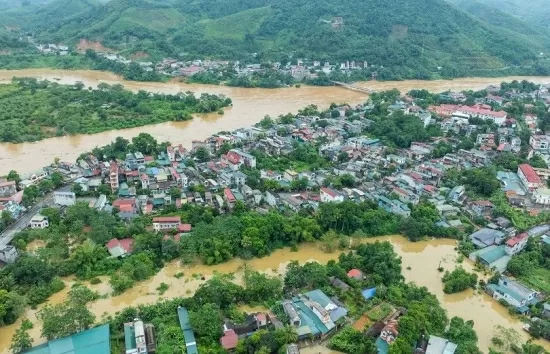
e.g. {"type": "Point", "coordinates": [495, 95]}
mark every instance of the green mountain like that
{"type": "Point", "coordinates": [535, 12]}
{"type": "Point", "coordinates": [48, 15]}
{"type": "Point", "coordinates": [415, 38]}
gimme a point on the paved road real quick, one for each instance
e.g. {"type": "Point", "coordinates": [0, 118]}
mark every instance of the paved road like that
{"type": "Point", "coordinates": [25, 219]}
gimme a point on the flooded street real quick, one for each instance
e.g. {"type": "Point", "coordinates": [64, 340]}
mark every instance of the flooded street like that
{"type": "Point", "coordinates": [250, 106]}
{"type": "Point", "coordinates": [423, 257]}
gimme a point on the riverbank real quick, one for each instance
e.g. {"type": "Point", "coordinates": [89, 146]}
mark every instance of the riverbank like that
{"type": "Point", "coordinates": [423, 258]}
{"type": "Point", "coordinates": [249, 107]}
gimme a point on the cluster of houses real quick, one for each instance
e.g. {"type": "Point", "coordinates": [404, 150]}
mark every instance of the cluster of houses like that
{"type": "Point", "coordinates": [53, 49]}
{"type": "Point", "coordinates": [395, 180]}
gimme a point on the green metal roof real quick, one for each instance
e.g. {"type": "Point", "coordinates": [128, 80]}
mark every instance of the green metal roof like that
{"type": "Point", "coordinates": [91, 341]}
{"type": "Point", "coordinates": [129, 336]}
{"type": "Point", "coordinates": [188, 335]}
{"type": "Point", "coordinates": [493, 255]}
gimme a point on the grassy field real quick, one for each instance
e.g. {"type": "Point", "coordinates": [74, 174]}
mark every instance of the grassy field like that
{"type": "Point", "coordinates": [539, 279]}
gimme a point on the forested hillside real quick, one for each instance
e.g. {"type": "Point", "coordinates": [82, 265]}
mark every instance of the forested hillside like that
{"type": "Point", "coordinates": [414, 37]}
{"type": "Point", "coordinates": [531, 11]}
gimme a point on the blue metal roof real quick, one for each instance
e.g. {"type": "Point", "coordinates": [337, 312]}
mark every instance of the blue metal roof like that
{"type": "Point", "coordinates": [368, 293]}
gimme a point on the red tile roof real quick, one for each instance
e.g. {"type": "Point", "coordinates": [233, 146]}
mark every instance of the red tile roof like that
{"type": "Point", "coordinates": [148, 208]}
{"type": "Point", "coordinates": [232, 157]}
{"type": "Point", "coordinates": [126, 244]}
{"type": "Point", "coordinates": [229, 195]}
{"type": "Point", "coordinates": [126, 208]}
{"type": "Point", "coordinates": [229, 340]}
{"type": "Point", "coordinates": [134, 173]}
{"type": "Point", "coordinates": [329, 191]}
{"type": "Point", "coordinates": [120, 202]}
{"type": "Point", "coordinates": [160, 219]}
{"type": "Point", "coordinates": [517, 239]}
{"type": "Point", "coordinates": [354, 273]}
{"type": "Point", "coordinates": [184, 228]}
{"type": "Point", "coordinates": [529, 173]}
{"type": "Point", "coordinates": [261, 317]}
{"type": "Point", "coordinates": [7, 184]}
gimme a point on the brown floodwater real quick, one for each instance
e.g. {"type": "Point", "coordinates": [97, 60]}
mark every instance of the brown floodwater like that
{"type": "Point", "coordinates": [249, 107]}
{"type": "Point", "coordinates": [422, 257]}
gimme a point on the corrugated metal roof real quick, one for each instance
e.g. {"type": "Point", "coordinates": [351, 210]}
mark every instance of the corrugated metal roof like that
{"type": "Point", "coordinates": [188, 335]}
{"type": "Point", "coordinates": [91, 341]}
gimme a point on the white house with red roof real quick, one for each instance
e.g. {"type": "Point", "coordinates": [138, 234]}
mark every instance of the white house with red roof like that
{"type": "Point", "coordinates": [529, 177]}
{"type": "Point", "coordinates": [516, 244]}
{"type": "Point", "coordinates": [485, 113]}
{"type": "Point", "coordinates": [228, 197]}
{"type": "Point", "coordinates": [161, 223]}
{"type": "Point", "coordinates": [329, 195]}
{"type": "Point", "coordinates": [233, 160]}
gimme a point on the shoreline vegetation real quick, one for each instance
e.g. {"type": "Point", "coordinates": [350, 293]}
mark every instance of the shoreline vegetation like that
{"type": "Point", "coordinates": [269, 78]}
{"type": "Point", "coordinates": [33, 110]}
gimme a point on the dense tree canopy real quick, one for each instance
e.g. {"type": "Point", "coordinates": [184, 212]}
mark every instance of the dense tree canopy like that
{"type": "Point", "coordinates": [34, 110]}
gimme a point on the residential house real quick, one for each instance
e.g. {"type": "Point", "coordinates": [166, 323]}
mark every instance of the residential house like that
{"type": "Point", "coordinates": [541, 196]}
{"type": "Point", "coordinates": [120, 248]}
{"type": "Point", "coordinates": [314, 314]}
{"type": "Point", "coordinates": [139, 338]}
{"type": "Point", "coordinates": [529, 178]}
{"type": "Point", "coordinates": [64, 198]}
{"type": "Point", "coordinates": [456, 194]}
{"type": "Point", "coordinates": [438, 345]}
{"type": "Point", "coordinates": [540, 143]}
{"type": "Point", "coordinates": [39, 222]}
{"type": "Point", "coordinates": [163, 223]}
{"type": "Point", "coordinates": [329, 195]}
{"type": "Point", "coordinates": [229, 198]}
{"type": "Point", "coordinates": [33, 178]}
{"type": "Point", "coordinates": [516, 244]}
{"type": "Point", "coordinates": [486, 237]}
{"type": "Point", "coordinates": [337, 283]}
{"type": "Point", "coordinates": [355, 274]}
{"type": "Point", "coordinates": [7, 189]}
{"type": "Point", "coordinates": [394, 206]}
{"type": "Point", "coordinates": [113, 176]}
{"type": "Point", "coordinates": [482, 207]}
{"type": "Point", "coordinates": [513, 293]}
{"type": "Point", "coordinates": [271, 198]}
{"type": "Point", "coordinates": [232, 331]}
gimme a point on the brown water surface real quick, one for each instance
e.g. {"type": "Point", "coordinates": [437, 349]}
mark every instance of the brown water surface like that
{"type": "Point", "coordinates": [423, 257]}
{"type": "Point", "coordinates": [250, 106]}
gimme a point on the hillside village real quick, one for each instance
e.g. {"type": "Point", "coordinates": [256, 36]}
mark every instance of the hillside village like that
{"type": "Point", "coordinates": [299, 70]}
{"type": "Point", "coordinates": [297, 163]}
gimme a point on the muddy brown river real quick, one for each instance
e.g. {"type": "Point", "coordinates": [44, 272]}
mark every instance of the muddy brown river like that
{"type": "Point", "coordinates": [250, 106]}
{"type": "Point", "coordinates": [423, 257]}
